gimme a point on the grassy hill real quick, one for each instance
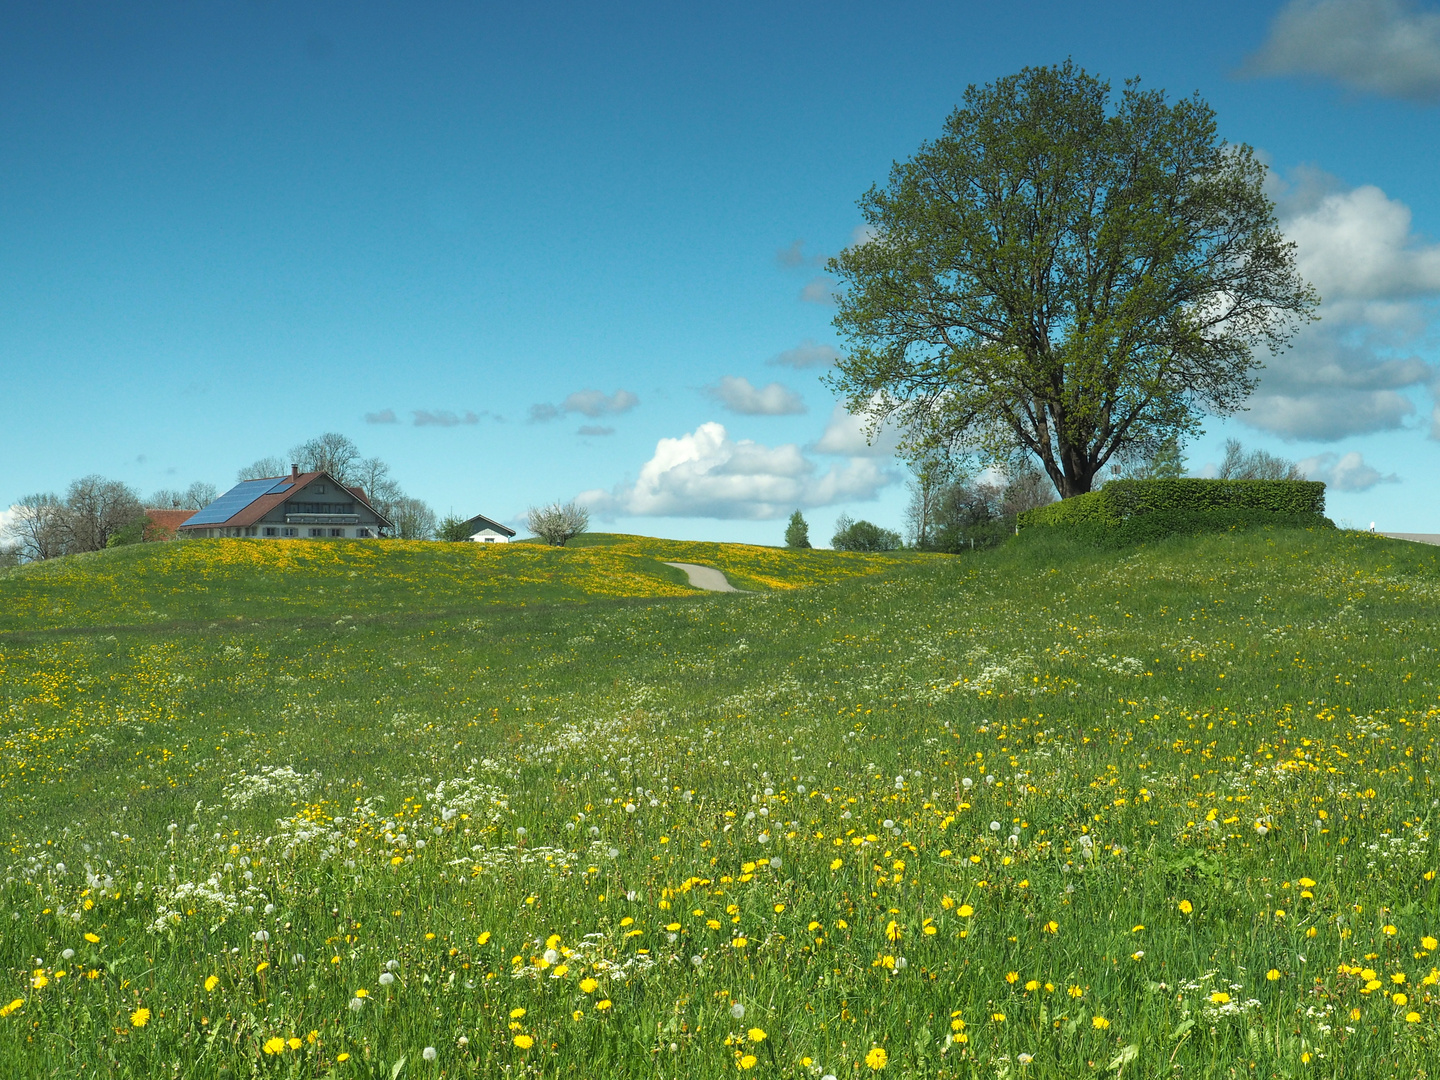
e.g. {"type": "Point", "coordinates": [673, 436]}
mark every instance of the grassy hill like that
{"type": "Point", "coordinates": [305, 810]}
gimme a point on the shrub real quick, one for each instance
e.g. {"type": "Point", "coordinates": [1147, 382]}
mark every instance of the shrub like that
{"type": "Point", "coordinates": [862, 536]}
{"type": "Point", "coordinates": [558, 523]}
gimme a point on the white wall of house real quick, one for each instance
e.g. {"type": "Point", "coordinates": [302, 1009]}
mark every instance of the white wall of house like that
{"type": "Point", "coordinates": [490, 536]}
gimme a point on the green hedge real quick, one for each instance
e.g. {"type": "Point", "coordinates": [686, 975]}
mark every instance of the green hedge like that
{"type": "Point", "coordinates": [1132, 498]}
{"type": "Point", "coordinates": [1123, 501]}
{"type": "Point", "coordinates": [1091, 508]}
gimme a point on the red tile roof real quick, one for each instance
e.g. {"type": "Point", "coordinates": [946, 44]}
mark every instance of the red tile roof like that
{"type": "Point", "coordinates": [163, 523]}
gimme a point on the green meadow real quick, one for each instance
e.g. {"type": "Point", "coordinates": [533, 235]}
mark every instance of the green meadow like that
{"type": "Point", "coordinates": [383, 810]}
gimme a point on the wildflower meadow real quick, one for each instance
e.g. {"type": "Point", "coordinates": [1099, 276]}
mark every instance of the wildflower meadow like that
{"type": "Point", "coordinates": [384, 810]}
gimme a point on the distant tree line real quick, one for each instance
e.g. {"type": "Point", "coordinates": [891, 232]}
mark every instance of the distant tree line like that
{"type": "Point", "coordinates": [97, 513]}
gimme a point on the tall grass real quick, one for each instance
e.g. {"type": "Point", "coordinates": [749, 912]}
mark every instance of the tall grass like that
{"type": "Point", "coordinates": [1034, 812]}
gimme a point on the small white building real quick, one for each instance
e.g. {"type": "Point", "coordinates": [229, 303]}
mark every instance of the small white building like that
{"type": "Point", "coordinates": [484, 531]}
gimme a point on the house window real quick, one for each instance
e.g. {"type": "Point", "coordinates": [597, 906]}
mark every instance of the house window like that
{"type": "Point", "coordinates": [252, 531]}
{"type": "Point", "coordinates": [337, 532]}
{"type": "Point", "coordinates": [362, 531]}
{"type": "Point", "coordinates": [317, 532]}
{"type": "Point", "coordinates": [319, 489]}
{"type": "Point", "coordinates": [271, 532]}
{"type": "Point", "coordinates": [289, 532]}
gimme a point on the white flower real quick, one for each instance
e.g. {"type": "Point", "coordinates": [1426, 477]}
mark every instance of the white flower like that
{"type": "Point", "coordinates": [386, 978]}
{"type": "Point", "coordinates": [262, 936]}
{"type": "Point", "coordinates": [737, 1011]}
{"type": "Point", "coordinates": [967, 783]}
{"type": "Point", "coordinates": [1025, 1059]}
{"type": "Point", "coordinates": [994, 826]}
{"type": "Point", "coordinates": [429, 1053]}
{"type": "Point", "coordinates": [67, 954]}
{"type": "Point", "coordinates": [888, 823]}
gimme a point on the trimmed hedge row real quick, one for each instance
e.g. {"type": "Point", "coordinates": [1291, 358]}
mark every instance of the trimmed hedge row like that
{"type": "Point", "coordinates": [1123, 501]}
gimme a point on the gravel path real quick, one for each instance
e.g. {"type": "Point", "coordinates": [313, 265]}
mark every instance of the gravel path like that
{"type": "Point", "coordinates": [704, 577]}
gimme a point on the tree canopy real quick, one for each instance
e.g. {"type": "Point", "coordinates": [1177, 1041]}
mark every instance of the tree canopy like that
{"type": "Point", "coordinates": [1064, 277]}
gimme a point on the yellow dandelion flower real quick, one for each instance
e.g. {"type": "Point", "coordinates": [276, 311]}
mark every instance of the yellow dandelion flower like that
{"type": "Point", "coordinates": [342, 1056]}
{"type": "Point", "coordinates": [877, 1059]}
{"type": "Point", "coordinates": [1412, 1018]}
{"type": "Point", "coordinates": [1220, 998]}
{"type": "Point", "coordinates": [1075, 991]}
{"type": "Point", "coordinates": [755, 1035]}
{"type": "Point", "coordinates": [140, 1017]}
{"type": "Point", "coordinates": [603, 1004]}
{"type": "Point", "coordinates": [747, 1061]}
{"type": "Point", "coordinates": [1099, 1023]}
{"type": "Point", "coordinates": [212, 982]}
{"type": "Point", "coordinates": [1012, 977]}
{"type": "Point", "coordinates": [965, 911]}
{"type": "Point", "coordinates": [362, 993]}
{"type": "Point", "coordinates": [524, 1042]}
{"type": "Point", "coordinates": [294, 1043]}
{"type": "Point", "coordinates": [1053, 927]}
{"type": "Point", "coordinates": [1428, 942]}
{"type": "Point", "coordinates": [779, 908]}
{"type": "Point", "coordinates": [39, 981]}
{"type": "Point", "coordinates": [1272, 975]}
{"type": "Point", "coordinates": [482, 938]}
{"type": "Point", "coordinates": [6, 1010]}
{"type": "Point", "coordinates": [1186, 908]}
{"type": "Point", "coordinates": [274, 1045]}
{"type": "Point", "coordinates": [739, 942]}
{"type": "Point", "coordinates": [998, 1017]}
{"type": "Point", "coordinates": [261, 966]}
{"type": "Point", "coordinates": [94, 939]}
{"type": "Point", "coordinates": [1032, 985]}
{"type": "Point", "coordinates": [516, 1013]}
{"type": "Point", "coordinates": [1400, 999]}
{"type": "Point", "coordinates": [588, 985]}
{"type": "Point", "coordinates": [1389, 931]}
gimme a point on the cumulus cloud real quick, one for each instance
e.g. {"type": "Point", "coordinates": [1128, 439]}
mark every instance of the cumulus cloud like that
{"type": "Point", "coordinates": [1385, 47]}
{"type": "Point", "coordinates": [707, 474]}
{"type": "Point", "coordinates": [595, 429]}
{"type": "Point", "coordinates": [591, 403]}
{"type": "Point", "coordinates": [1346, 472]}
{"type": "Point", "coordinates": [846, 433]}
{"type": "Point", "coordinates": [443, 418]}
{"type": "Point", "coordinates": [384, 416]}
{"type": "Point", "coordinates": [805, 355]}
{"type": "Point", "coordinates": [9, 516]}
{"type": "Point", "coordinates": [739, 396]}
{"type": "Point", "coordinates": [1355, 370]}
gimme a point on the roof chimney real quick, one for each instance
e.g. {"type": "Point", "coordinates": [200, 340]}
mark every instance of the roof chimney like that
{"type": "Point", "coordinates": [294, 471]}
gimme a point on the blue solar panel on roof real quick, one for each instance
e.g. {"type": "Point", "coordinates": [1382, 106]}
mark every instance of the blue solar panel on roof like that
{"type": "Point", "coordinates": [235, 500]}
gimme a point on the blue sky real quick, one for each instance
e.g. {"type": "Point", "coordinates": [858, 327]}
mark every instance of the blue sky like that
{"type": "Point", "coordinates": [571, 249]}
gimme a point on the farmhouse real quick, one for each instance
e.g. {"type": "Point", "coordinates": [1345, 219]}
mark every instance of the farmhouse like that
{"type": "Point", "coordinates": [484, 531]}
{"type": "Point", "coordinates": [311, 505]}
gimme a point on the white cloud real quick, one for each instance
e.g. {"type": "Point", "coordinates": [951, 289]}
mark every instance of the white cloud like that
{"type": "Point", "coordinates": [1357, 249]}
{"type": "Point", "coordinates": [707, 474]}
{"type": "Point", "coordinates": [1344, 473]}
{"type": "Point", "coordinates": [8, 516]}
{"type": "Point", "coordinates": [806, 354]}
{"type": "Point", "coordinates": [845, 433]}
{"type": "Point", "coordinates": [595, 430]}
{"type": "Point", "coordinates": [794, 257]}
{"type": "Point", "coordinates": [819, 290]}
{"type": "Point", "coordinates": [1353, 371]}
{"type": "Point", "coordinates": [739, 396]}
{"type": "Point", "coordinates": [591, 403]}
{"type": "Point", "coordinates": [1386, 47]}
{"type": "Point", "coordinates": [443, 418]}
{"type": "Point", "coordinates": [385, 416]}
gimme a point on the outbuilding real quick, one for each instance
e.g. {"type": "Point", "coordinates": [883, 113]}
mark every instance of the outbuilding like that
{"type": "Point", "coordinates": [483, 530]}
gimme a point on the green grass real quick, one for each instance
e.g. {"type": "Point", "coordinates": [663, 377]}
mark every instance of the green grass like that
{"type": "Point", "coordinates": [591, 753]}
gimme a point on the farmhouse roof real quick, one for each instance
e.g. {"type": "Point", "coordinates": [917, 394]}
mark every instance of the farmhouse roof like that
{"type": "Point", "coordinates": [480, 521]}
{"type": "Point", "coordinates": [164, 522]}
{"type": "Point", "coordinates": [250, 500]}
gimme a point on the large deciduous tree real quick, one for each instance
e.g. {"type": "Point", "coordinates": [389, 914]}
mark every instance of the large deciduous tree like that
{"type": "Point", "coordinates": [1064, 276]}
